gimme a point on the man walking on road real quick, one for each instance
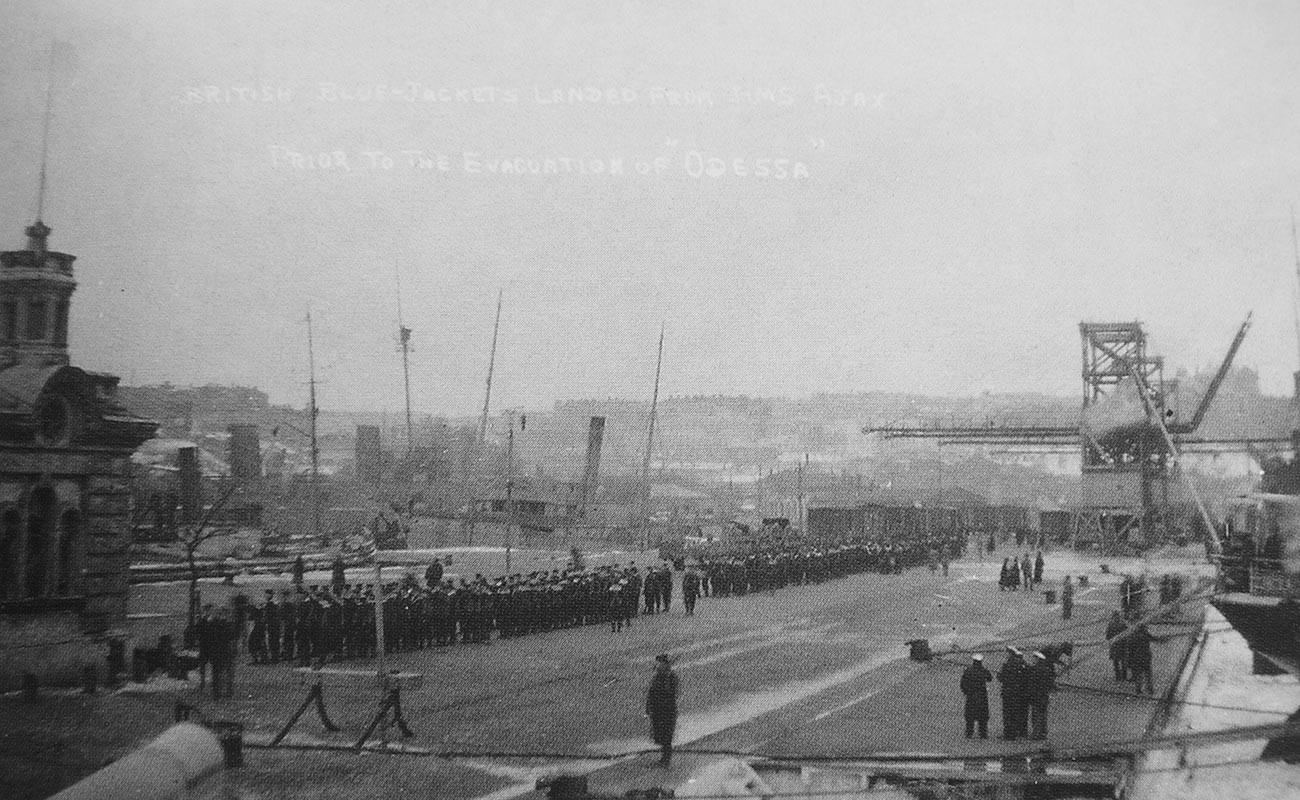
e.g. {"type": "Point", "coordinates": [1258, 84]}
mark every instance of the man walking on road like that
{"type": "Point", "coordinates": [975, 685]}
{"type": "Point", "coordinates": [661, 706]}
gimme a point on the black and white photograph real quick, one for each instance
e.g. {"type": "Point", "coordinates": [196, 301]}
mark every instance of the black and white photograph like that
{"type": "Point", "coordinates": [645, 399]}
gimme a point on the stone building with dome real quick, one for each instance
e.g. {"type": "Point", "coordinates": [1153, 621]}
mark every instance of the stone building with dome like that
{"type": "Point", "coordinates": [65, 462]}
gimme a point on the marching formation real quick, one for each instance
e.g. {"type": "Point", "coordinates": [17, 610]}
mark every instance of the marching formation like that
{"type": "Point", "coordinates": [336, 621]}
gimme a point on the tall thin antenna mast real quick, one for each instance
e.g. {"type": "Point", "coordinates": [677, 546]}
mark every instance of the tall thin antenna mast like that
{"type": "Point", "coordinates": [404, 339]}
{"type": "Point", "coordinates": [650, 438]}
{"type": "Point", "coordinates": [313, 411]}
{"type": "Point", "coordinates": [45, 133]}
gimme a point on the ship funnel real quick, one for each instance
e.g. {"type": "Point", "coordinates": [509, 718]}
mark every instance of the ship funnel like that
{"type": "Point", "coordinates": [590, 476]}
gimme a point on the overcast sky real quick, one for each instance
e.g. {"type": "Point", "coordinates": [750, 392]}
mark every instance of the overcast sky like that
{"type": "Point", "coordinates": [962, 186]}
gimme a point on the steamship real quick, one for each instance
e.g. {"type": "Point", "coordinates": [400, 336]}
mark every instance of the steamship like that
{"type": "Point", "coordinates": [1259, 574]}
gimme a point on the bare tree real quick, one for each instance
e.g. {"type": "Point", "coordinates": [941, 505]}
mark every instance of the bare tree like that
{"type": "Point", "coordinates": [192, 537]}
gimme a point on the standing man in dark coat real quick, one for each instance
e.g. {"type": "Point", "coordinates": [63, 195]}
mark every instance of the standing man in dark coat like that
{"type": "Point", "coordinates": [224, 637]}
{"type": "Point", "coordinates": [1039, 678]}
{"type": "Point", "coordinates": [203, 635]}
{"type": "Point", "coordinates": [1038, 567]}
{"type": "Point", "coordinates": [1014, 706]}
{"type": "Point", "coordinates": [1138, 658]}
{"type": "Point", "coordinates": [433, 575]}
{"type": "Point", "coordinates": [1118, 646]}
{"type": "Point", "coordinates": [974, 684]}
{"type": "Point", "coordinates": [690, 590]}
{"type": "Point", "coordinates": [661, 706]}
{"type": "Point", "coordinates": [1067, 598]}
{"type": "Point", "coordinates": [271, 612]}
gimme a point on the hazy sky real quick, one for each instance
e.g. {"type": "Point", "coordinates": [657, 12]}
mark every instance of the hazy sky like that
{"type": "Point", "coordinates": [996, 173]}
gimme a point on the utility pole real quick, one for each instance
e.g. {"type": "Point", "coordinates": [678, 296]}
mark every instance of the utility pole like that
{"type": "Point", "coordinates": [510, 484]}
{"type": "Point", "coordinates": [404, 340]}
{"type": "Point", "coordinates": [649, 447]}
{"type": "Point", "coordinates": [312, 412]}
{"type": "Point", "coordinates": [799, 504]}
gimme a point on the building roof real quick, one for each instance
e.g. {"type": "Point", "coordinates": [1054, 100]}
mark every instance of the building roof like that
{"type": "Point", "coordinates": [22, 384]}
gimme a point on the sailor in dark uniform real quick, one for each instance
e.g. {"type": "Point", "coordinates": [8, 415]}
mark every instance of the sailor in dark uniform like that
{"type": "Point", "coordinates": [661, 706]}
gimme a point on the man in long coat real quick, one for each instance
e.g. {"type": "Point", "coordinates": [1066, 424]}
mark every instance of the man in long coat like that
{"type": "Point", "coordinates": [661, 706]}
{"type": "Point", "coordinates": [690, 590]}
{"type": "Point", "coordinates": [975, 685]}
{"type": "Point", "coordinates": [1067, 598]}
{"type": "Point", "coordinates": [1137, 657]}
{"type": "Point", "coordinates": [1118, 646]}
{"type": "Point", "coordinates": [1039, 679]}
{"type": "Point", "coordinates": [1015, 707]}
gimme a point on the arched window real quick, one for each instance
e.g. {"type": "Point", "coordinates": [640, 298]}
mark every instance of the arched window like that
{"type": "Point", "coordinates": [40, 524]}
{"type": "Point", "coordinates": [69, 528]}
{"type": "Point", "coordinates": [11, 527]}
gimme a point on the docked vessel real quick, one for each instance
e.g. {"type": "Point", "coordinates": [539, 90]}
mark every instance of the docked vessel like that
{"type": "Point", "coordinates": [1259, 590]}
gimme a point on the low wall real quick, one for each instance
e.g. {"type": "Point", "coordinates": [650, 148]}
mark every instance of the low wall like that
{"type": "Point", "coordinates": [50, 646]}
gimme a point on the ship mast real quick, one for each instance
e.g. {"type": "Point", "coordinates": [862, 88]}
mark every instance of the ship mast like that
{"type": "Point", "coordinates": [476, 448]}
{"type": "Point", "coordinates": [649, 446]}
{"type": "Point", "coordinates": [312, 413]}
{"type": "Point", "coordinates": [492, 360]}
{"type": "Point", "coordinates": [404, 339]}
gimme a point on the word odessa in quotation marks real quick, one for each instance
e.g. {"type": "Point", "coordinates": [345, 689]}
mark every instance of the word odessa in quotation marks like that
{"type": "Point", "coordinates": [691, 164]}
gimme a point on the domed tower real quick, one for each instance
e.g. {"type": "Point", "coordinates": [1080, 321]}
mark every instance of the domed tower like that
{"type": "Point", "coordinates": [36, 288]}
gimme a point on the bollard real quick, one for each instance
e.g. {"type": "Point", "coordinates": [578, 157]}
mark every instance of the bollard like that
{"type": "Point", "coordinates": [1083, 581]}
{"type": "Point", "coordinates": [116, 660]}
{"type": "Point", "coordinates": [31, 688]}
{"type": "Point", "coordinates": [139, 666]}
{"type": "Point", "coordinates": [184, 711]}
{"type": "Point", "coordinates": [1050, 596]}
{"type": "Point", "coordinates": [231, 736]}
{"type": "Point", "coordinates": [89, 679]}
{"type": "Point", "coordinates": [920, 650]}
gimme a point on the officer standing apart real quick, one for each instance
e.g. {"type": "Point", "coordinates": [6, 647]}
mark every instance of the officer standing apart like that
{"type": "Point", "coordinates": [975, 685]}
{"type": "Point", "coordinates": [1067, 598]}
{"type": "Point", "coordinates": [661, 706]}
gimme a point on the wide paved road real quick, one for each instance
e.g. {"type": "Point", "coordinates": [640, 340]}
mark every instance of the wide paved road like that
{"type": "Point", "coordinates": [758, 674]}
{"type": "Point", "coordinates": [805, 670]}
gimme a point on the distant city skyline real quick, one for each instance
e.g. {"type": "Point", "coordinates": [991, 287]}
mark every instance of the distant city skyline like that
{"type": "Point", "coordinates": [846, 197]}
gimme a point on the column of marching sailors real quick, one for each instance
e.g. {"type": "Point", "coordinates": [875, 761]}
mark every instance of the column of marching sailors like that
{"type": "Point", "coordinates": [317, 624]}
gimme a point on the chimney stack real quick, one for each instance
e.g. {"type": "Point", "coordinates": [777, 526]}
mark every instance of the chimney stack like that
{"type": "Point", "coordinates": [245, 453]}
